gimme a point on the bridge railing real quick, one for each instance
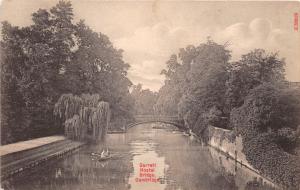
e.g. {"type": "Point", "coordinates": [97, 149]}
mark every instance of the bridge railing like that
{"type": "Point", "coordinates": [169, 117]}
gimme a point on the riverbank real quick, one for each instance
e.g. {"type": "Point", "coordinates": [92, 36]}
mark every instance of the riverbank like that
{"type": "Point", "coordinates": [179, 161]}
{"type": "Point", "coordinates": [21, 156]}
{"type": "Point", "coordinates": [231, 146]}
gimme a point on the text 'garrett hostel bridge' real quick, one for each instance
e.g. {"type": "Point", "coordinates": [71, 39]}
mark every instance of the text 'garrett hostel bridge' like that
{"type": "Point", "coordinates": [173, 120]}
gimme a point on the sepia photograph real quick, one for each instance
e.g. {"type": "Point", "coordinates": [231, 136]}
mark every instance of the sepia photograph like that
{"type": "Point", "coordinates": [149, 95]}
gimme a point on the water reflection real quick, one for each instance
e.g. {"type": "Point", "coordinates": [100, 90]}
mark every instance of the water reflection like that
{"type": "Point", "coordinates": [181, 163]}
{"type": "Point", "coordinates": [243, 177]}
{"type": "Point", "coordinates": [142, 177]}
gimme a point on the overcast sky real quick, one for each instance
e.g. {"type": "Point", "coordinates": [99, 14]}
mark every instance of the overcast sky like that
{"type": "Point", "coordinates": [150, 31]}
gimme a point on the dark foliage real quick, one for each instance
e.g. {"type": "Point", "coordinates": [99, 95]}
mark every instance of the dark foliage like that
{"type": "Point", "coordinates": [195, 85]}
{"type": "Point", "coordinates": [53, 56]}
{"type": "Point", "coordinates": [249, 96]}
{"type": "Point", "coordinates": [144, 100]}
{"type": "Point", "coordinates": [269, 134]}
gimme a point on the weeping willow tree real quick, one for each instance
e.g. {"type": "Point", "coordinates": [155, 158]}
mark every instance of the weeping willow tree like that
{"type": "Point", "coordinates": [85, 116]}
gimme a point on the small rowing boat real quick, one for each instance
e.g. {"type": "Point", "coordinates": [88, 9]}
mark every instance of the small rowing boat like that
{"type": "Point", "coordinates": [105, 155]}
{"type": "Point", "coordinates": [104, 158]}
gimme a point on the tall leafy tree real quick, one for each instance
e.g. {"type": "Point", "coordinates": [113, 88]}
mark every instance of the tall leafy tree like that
{"type": "Point", "coordinates": [54, 56]}
{"type": "Point", "coordinates": [13, 112]}
{"type": "Point", "coordinates": [144, 100]}
{"type": "Point", "coordinates": [251, 71]}
{"type": "Point", "coordinates": [197, 83]}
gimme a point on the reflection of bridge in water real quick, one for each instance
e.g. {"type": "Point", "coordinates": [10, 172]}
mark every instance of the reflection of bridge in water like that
{"type": "Point", "coordinates": [173, 120]}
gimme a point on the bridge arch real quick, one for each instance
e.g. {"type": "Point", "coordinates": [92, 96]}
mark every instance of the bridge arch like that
{"type": "Point", "coordinates": [142, 119]}
{"type": "Point", "coordinates": [180, 126]}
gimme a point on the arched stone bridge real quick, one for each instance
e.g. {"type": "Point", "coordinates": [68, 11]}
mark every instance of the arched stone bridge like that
{"type": "Point", "coordinates": [173, 120]}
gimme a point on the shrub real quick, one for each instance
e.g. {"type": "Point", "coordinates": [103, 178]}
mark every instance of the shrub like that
{"type": "Point", "coordinates": [269, 132]}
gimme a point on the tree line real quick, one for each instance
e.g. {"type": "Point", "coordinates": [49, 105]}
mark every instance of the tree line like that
{"type": "Point", "coordinates": [53, 56]}
{"type": "Point", "coordinates": [144, 100]}
{"type": "Point", "coordinates": [250, 96]}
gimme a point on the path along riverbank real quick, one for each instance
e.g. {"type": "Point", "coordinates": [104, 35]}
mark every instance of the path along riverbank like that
{"type": "Point", "coordinates": [24, 155]}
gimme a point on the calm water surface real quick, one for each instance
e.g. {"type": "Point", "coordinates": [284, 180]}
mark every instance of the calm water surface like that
{"type": "Point", "coordinates": [181, 163]}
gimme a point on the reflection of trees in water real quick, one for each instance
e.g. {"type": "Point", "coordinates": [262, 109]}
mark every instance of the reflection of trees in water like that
{"type": "Point", "coordinates": [258, 185]}
{"type": "Point", "coordinates": [76, 172]}
{"type": "Point", "coordinates": [223, 181]}
{"type": "Point", "coordinates": [192, 166]}
{"type": "Point", "coordinates": [84, 172]}
{"type": "Point", "coordinates": [243, 177]}
{"type": "Point", "coordinates": [215, 181]}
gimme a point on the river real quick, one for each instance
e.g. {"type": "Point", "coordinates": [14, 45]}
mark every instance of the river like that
{"type": "Point", "coordinates": [148, 157]}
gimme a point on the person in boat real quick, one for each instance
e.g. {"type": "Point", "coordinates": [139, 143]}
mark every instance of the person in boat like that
{"type": "Point", "coordinates": [105, 154]}
{"type": "Point", "coordinates": [102, 155]}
